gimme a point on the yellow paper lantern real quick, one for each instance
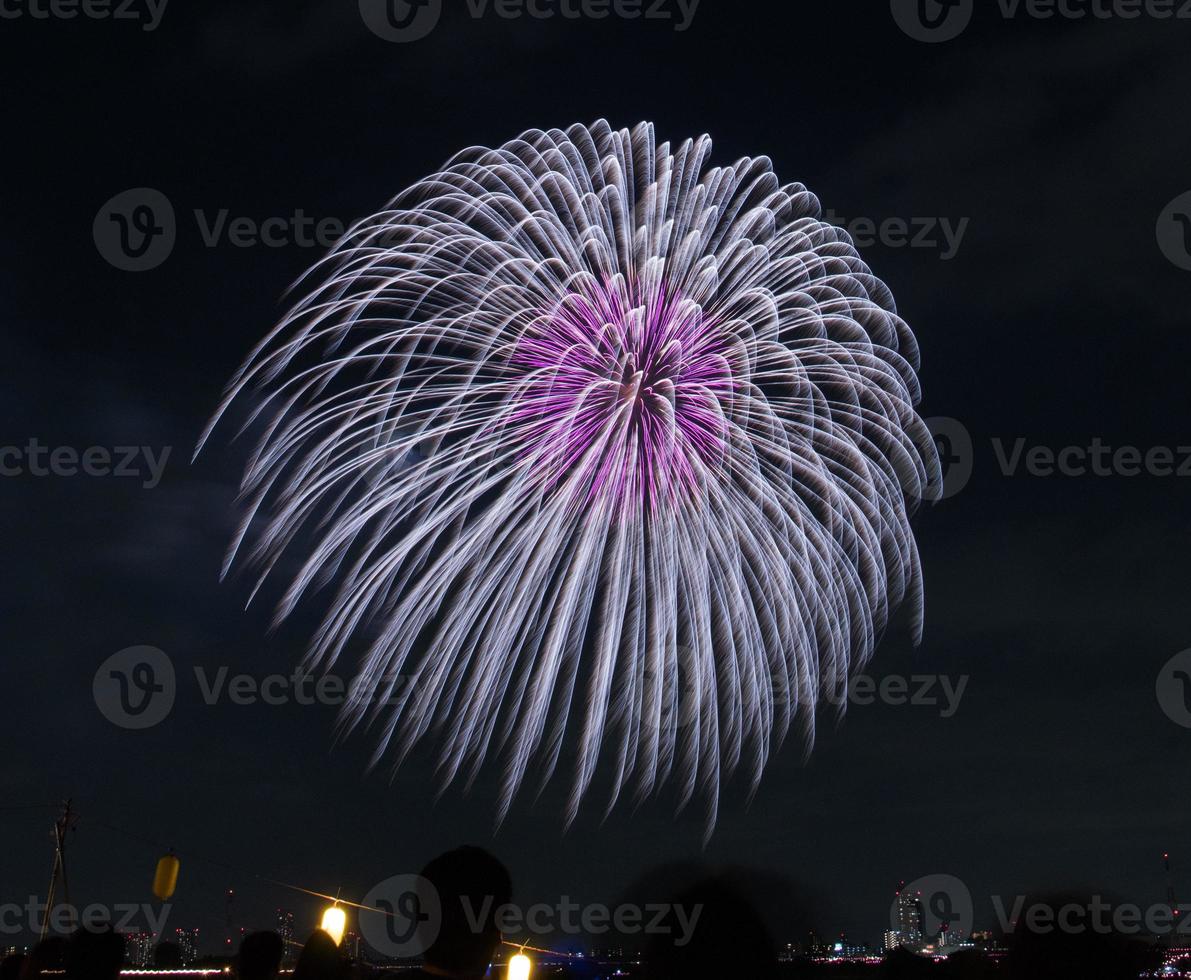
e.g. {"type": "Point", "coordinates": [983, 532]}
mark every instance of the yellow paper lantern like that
{"type": "Point", "coordinates": [334, 923]}
{"type": "Point", "coordinates": [165, 880]}
{"type": "Point", "coordinates": [519, 967]}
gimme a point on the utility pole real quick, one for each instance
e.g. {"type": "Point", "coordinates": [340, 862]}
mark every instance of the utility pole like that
{"type": "Point", "coordinates": [63, 824]}
{"type": "Point", "coordinates": [1170, 899]}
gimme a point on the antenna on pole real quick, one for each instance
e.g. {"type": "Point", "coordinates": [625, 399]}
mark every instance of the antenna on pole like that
{"type": "Point", "coordinates": [62, 825]}
{"type": "Point", "coordinates": [1170, 898]}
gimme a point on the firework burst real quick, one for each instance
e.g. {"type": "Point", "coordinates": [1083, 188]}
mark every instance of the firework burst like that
{"type": "Point", "coordinates": [610, 455]}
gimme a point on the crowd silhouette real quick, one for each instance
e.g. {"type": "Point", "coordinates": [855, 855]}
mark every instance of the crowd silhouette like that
{"type": "Point", "coordinates": [729, 940]}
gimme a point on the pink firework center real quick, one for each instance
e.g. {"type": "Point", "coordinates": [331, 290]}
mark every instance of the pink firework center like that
{"type": "Point", "coordinates": [626, 397]}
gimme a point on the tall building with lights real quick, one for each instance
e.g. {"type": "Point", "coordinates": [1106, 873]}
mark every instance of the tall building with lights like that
{"type": "Point", "coordinates": [285, 929]}
{"type": "Point", "coordinates": [138, 948]}
{"type": "Point", "coordinates": [188, 943]}
{"type": "Point", "coordinates": [909, 920]}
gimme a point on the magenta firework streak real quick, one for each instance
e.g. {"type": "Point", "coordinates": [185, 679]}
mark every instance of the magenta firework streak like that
{"type": "Point", "coordinates": [627, 390]}
{"type": "Point", "coordinates": [608, 453]}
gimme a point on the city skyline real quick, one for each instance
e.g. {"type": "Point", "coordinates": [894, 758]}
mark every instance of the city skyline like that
{"type": "Point", "coordinates": [906, 928]}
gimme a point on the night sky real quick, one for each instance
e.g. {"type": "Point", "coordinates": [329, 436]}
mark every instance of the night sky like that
{"type": "Point", "coordinates": [1059, 320]}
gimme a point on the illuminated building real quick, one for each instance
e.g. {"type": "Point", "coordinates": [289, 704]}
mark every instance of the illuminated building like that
{"type": "Point", "coordinates": [285, 929]}
{"type": "Point", "coordinates": [908, 920]}
{"type": "Point", "coordinates": [953, 937]}
{"type": "Point", "coordinates": [188, 944]}
{"type": "Point", "coordinates": [846, 949]}
{"type": "Point", "coordinates": [138, 948]}
{"type": "Point", "coordinates": [814, 946]}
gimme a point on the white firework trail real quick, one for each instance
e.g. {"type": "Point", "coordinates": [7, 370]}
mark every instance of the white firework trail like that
{"type": "Point", "coordinates": [611, 454]}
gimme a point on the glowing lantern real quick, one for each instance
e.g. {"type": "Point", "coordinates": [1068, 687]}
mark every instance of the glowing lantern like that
{"type": "Point", "coordinates": [334, 923]}
{"type": "Point", "coordinates": [519, 967]}
{"type": "Point", "coordinates": [165, 880]}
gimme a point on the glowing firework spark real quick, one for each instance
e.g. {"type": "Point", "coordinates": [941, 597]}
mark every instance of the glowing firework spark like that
{"type": "Point", "coordinates": [578, 426]}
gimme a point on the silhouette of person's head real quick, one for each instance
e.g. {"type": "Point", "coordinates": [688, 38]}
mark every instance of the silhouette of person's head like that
{"type": "Point", "coordinates": [94, 954]}
{"type": "Point", "coordinates": [1063, 936]}
{"type": "Point", "coordinates": [260, 956]}
{"type": "Point", "coordinates": [10, 966]}
{"type": "Point", "coordinates": [320, 959]}
{"type": "Point", "coordinates": [49, 954]}
{"type": "Point", "coordinates": [970, 964]}
{"type": "Point", "coordinates": [724, 937]}
{"type": "Point", "coordinates": [167, 956]}
{"type": "Point", "coordinates": [471, 885]}
{"type": "Point", "coordinates": [901, 964]}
